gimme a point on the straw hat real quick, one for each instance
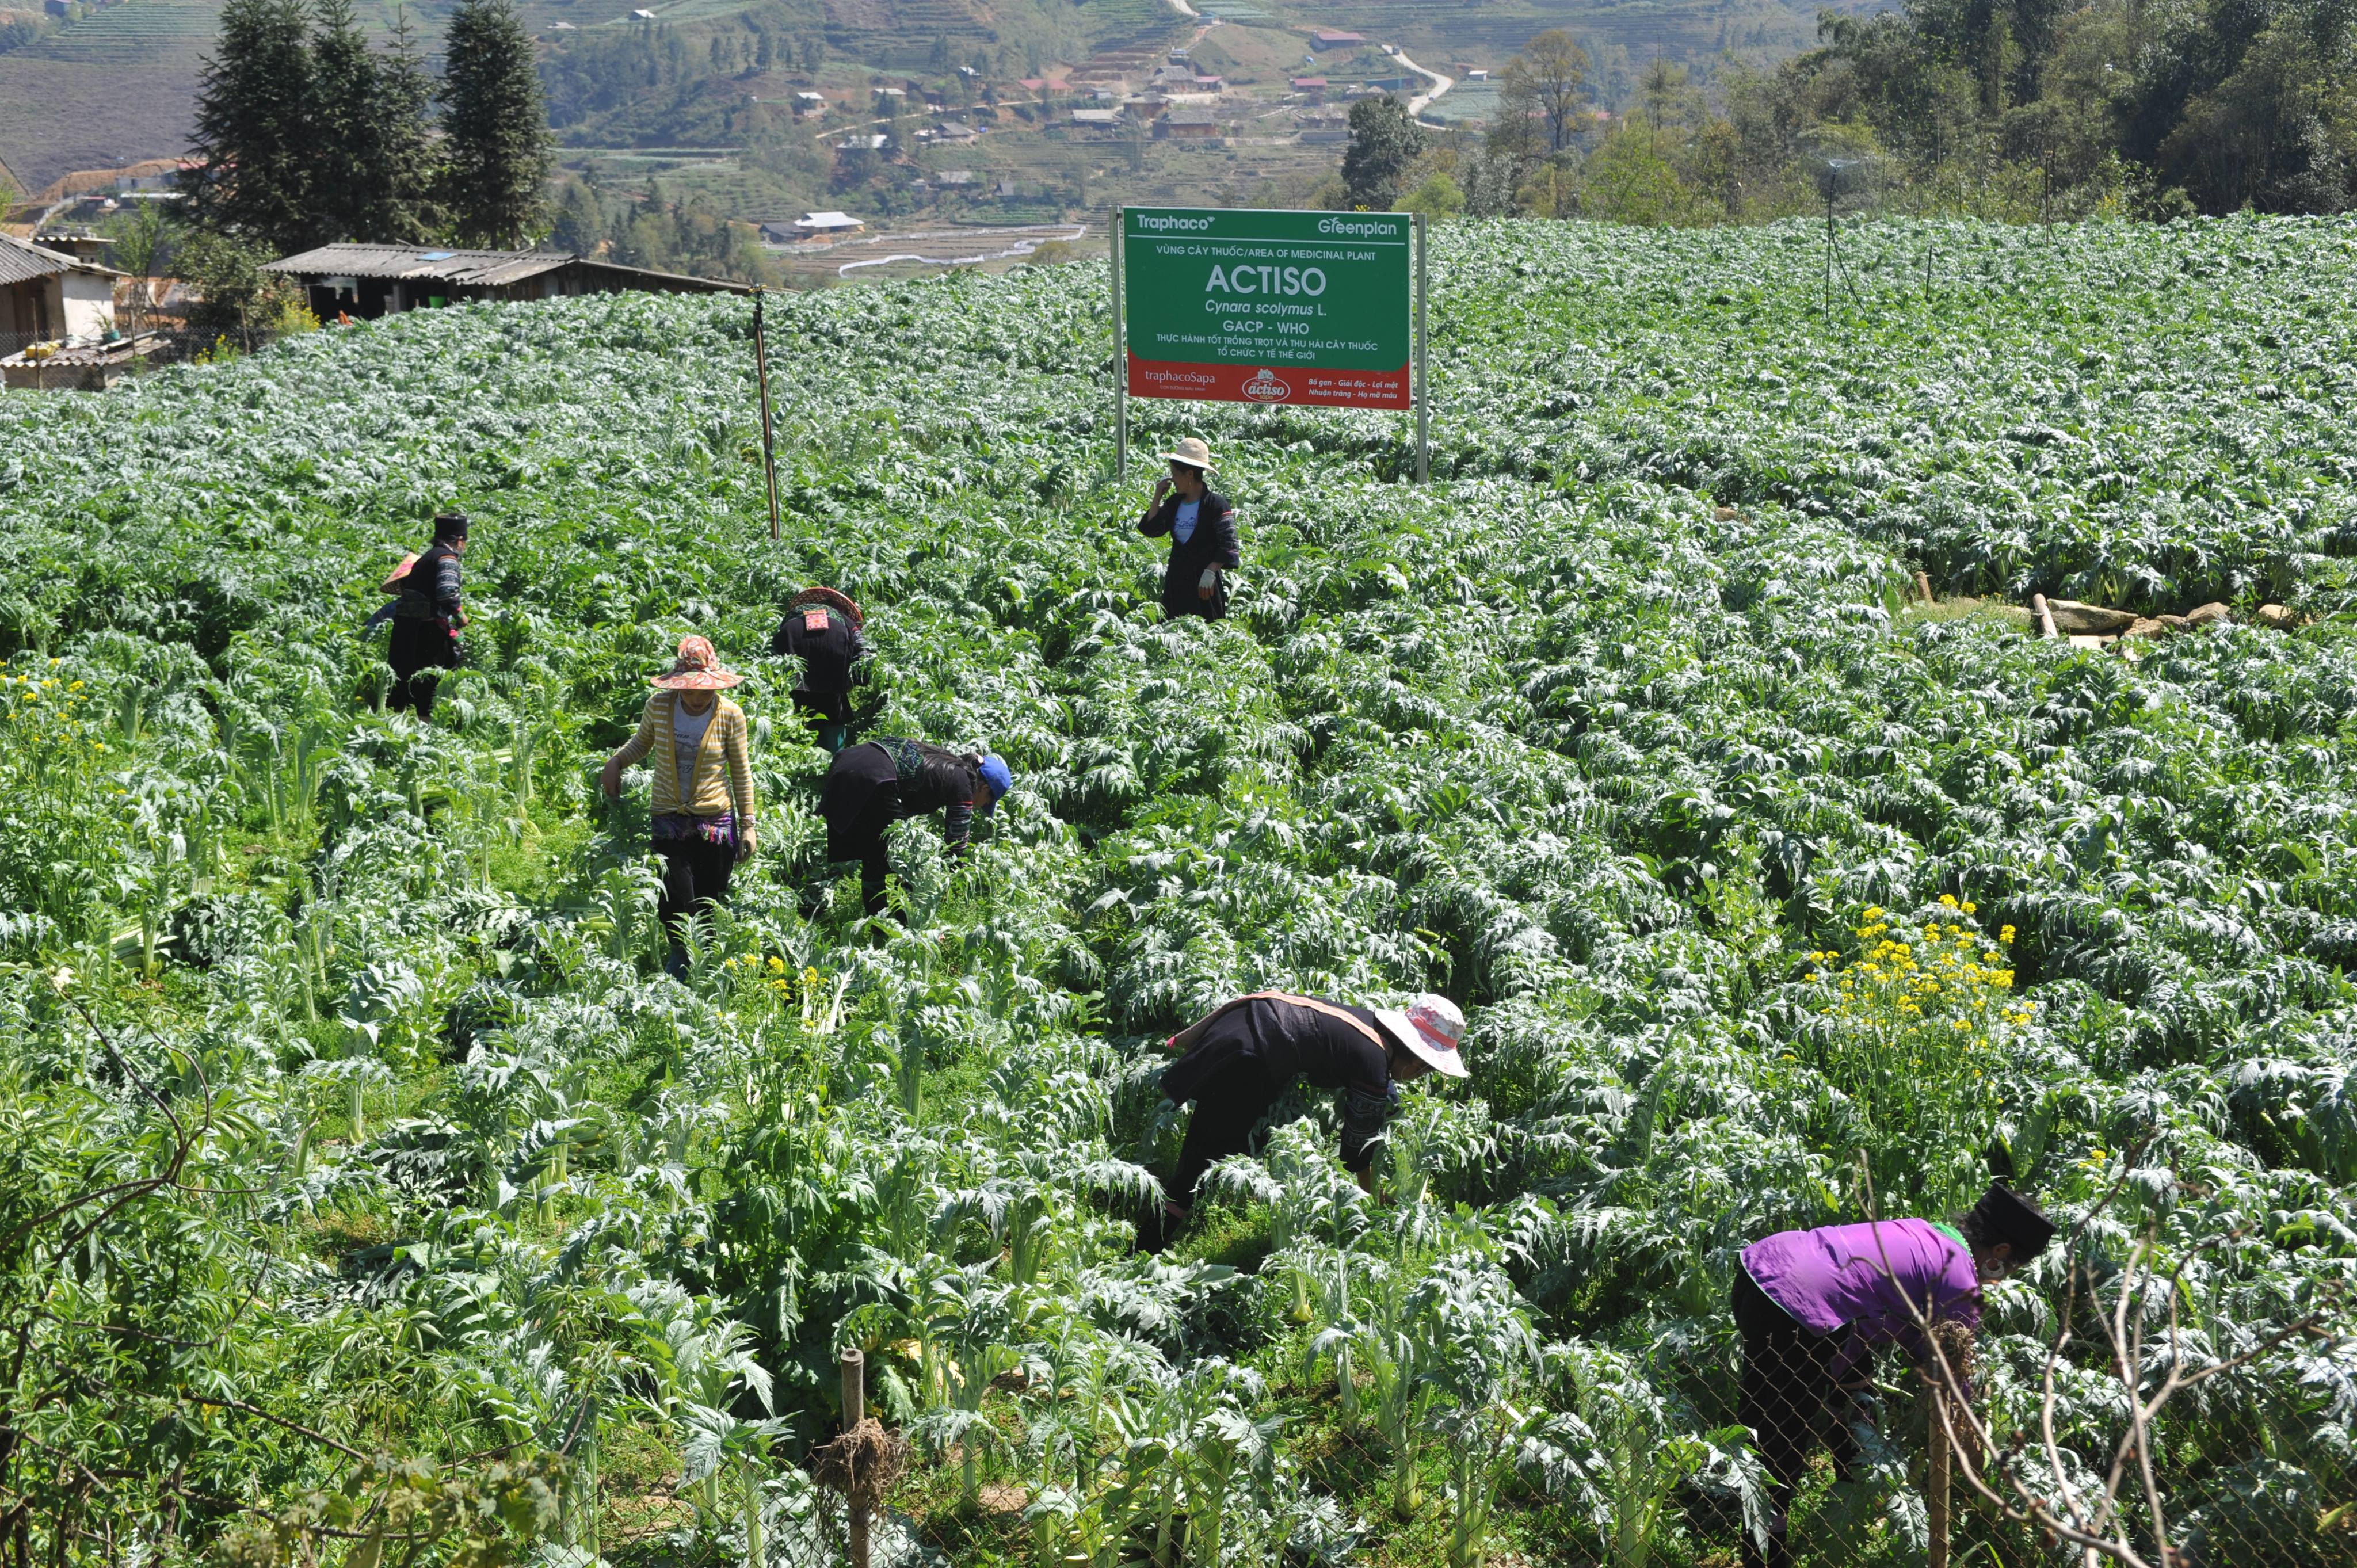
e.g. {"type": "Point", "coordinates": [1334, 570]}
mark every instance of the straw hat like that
{"type": "Point", "coordinates": [1431, 1027]}
{"type": "Point", "coordinates": [697, 668]}
{"type": "Point", "coordinates": [1191, 452]}
{"type": "Point", "coordinates": [816, 595]}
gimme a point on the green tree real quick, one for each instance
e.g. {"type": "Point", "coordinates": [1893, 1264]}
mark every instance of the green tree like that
{"type": "Point", "coordinates": [496, 127]}
{"type": "Point", "coordinates": [580, 220]}
{"type": "Point", "coordinates": [234, 298]}
{"type": "Point", "coordinates": [1546, 83]}
{"type": "Point", "coordinates": [373, 169]}
{"type": "Point", "coordinates": [254, 156]}
{"type": "Point", "coordinates": [137, 239]}
{"type": "Point", "coordinates": [1383, 142]}
{"type": "Point", "coordinates": [1438, 197]}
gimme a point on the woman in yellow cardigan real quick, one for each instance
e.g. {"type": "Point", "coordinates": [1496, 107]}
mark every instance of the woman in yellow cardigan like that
{"type": "Point", "coordinates": [703, 783]}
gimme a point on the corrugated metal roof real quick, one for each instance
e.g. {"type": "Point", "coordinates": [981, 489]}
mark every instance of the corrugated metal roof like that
{"type": "Point", "coordinates": [22, 261]}
{"type": "Point", "coordinates": [483, 268]}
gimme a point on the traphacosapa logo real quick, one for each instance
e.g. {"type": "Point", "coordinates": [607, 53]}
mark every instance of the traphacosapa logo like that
{"type": "Point", "coordinates": [1265, 387]}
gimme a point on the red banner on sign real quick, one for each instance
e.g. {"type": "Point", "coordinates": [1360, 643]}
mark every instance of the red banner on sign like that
{"type": "Point", "coordinates": [1269, 384]}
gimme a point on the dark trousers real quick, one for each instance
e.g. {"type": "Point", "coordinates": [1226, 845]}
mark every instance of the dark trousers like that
{"type": "Point", "coordinates": [1233, 1102]}
{"type": "Point", "coordinates": [829, 714]}
{"type": "Point", "coordinates": [1789, 1400]}
{"type": "Point", "coordinates": [855, 831]}
{"type": "Point", "coordinates": [695, 871]}
{"type": "Point", "coordinates": [418, 647]}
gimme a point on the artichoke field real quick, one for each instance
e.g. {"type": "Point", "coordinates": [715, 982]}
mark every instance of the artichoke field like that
{"type": "Point", "coordinates": [367, 1187]}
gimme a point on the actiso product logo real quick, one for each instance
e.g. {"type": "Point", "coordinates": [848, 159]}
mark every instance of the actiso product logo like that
{"type": "Point", "coordinates": [1265, 387]}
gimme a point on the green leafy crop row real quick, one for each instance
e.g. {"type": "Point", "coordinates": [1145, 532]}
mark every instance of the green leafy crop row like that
{"type": "Point", "coordinates": [1750, 876]}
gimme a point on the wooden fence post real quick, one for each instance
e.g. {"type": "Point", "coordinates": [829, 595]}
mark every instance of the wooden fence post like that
{"type": "Point", "coordinates": [1935, 1488]}
{"type": "Point", "coordinates": [854, 1411]}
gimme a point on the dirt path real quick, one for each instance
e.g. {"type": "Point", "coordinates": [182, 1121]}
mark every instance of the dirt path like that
{"type": "Point", "coordinates": [1440, 84]}
{"type": "Point", "coordinates": [1035, 238]}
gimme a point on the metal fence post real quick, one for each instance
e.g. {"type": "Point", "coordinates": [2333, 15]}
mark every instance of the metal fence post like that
{"type": "Point", "coordinates": [1120, 362]}
{"type": "Point", "coordinates": [1423, 371]}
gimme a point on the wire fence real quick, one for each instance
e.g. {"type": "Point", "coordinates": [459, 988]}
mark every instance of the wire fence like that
{"type": "Point", "coordinates": [33, 362]}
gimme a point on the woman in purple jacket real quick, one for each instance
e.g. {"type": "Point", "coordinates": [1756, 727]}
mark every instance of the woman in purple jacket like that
{"type": "Point", "coordinates": [1812, 1306]}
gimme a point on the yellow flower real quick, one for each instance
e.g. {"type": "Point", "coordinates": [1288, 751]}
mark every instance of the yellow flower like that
{"type": "Point", "coordinates": [1971, 907]}
{"type": "Point", "coordinates": [2006, 936]}
{"type": "Point", "coordinates": [777, 965]}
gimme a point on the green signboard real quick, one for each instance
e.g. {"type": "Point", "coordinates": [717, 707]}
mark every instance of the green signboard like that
{"type": "Point", "coordinates": [1254, 306]}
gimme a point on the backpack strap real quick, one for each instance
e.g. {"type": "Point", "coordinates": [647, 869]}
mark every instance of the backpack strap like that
{"type": "Point", "coordinates": [1311, 1002]}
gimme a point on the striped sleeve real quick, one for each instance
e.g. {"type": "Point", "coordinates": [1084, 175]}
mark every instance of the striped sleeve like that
{"type": "Point", "coordinates": [739, 762]}
{"type": "Point", "coordinates": [634, 750]}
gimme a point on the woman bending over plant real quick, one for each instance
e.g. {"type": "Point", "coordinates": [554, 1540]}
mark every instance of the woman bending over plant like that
{"type": "Point", "coordinates": [869, 787]}
{"type": "Point", "coordinates": [703, 783]}
{"type": "Point", "coordinates": [1811, 1305]}
{"type": "Point", "coordinates": [822, 629]}
{"type": "Point", "coordinates": [1243, 1056]}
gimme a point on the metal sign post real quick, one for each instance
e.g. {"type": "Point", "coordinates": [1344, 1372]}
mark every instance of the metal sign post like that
{"type": "Point", "coordinates": [768, 442]}
{"type": "Point", "coordinates": [1120, 366]}
{"type": "Point", "coordinates": [1423, 373]}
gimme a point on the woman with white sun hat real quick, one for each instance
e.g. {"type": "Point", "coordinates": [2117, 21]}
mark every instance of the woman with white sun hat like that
{"type": "Point", "coordinates": [1201, 526]}
{"type": "Point", "coordinates": [1236, 1062]}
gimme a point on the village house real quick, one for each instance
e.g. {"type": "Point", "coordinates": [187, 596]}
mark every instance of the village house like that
{"type": "Point", "coordinates": [47, 293]}
{"type": "Point", "coordinates": [829, 225]}
{"type": "Point", "coordinates": [1189, 126]}
{"type": "Point", "coordinates": [369, 281]}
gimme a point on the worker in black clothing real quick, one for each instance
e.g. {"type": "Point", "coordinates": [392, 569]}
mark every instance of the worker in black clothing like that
{"type": "Point", "coordinates": [427, 618]}
{"type": "Point", "coordinates": [1240, 1058]}
{"type": "Point", "coordinates": [821, 630]}
{"type": "Point", "coordinates": [1203, 529]}
{"type": "Point", "coordinates": [870, 786]}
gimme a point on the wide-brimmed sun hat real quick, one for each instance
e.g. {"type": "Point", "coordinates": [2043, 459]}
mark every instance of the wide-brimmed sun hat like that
{"type": "Point", "coordinates": [1191, 452]}
{"type": "Point", "coordinates": [818, 595]}
{"type": "Point", "coordinates": [696, 670]}
{"type": "Point", "coordinates": [1431, 1027]}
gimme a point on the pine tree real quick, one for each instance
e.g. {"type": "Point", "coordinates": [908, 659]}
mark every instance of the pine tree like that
{"type": "Point", "coordinates": [254, 156]}
{"type": "Point", "coordinates": [343, 96]}
{"type": "Point", "coordinates": [497, 127]}
{"type": "Point", "coordinates": [401, 173]}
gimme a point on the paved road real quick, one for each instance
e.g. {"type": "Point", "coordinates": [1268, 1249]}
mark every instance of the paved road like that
{"type": "Point", "coordinates": [1440, 84]}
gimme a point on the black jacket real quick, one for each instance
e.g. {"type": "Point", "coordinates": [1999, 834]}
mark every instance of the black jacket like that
{"type": "Point", "coordinates": [1291, 1042]}
{"type": "Point", "coordinates": [430, 591]}
{"type": "Point", "coordinates": [1212, 544]}
{"type": "Point", "coordinates": [925, 779]}
{"type": "Point", "coordinates": [827, 652]}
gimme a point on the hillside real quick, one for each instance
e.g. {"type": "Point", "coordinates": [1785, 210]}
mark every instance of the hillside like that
{"type": "Point", "coordinates": [1774, 897]}
{"type": "Point", "coordinates": [115, 85]}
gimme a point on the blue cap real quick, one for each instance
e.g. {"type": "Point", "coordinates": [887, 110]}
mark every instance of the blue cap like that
{"type": "Point", "coordinates": [997, 774]}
